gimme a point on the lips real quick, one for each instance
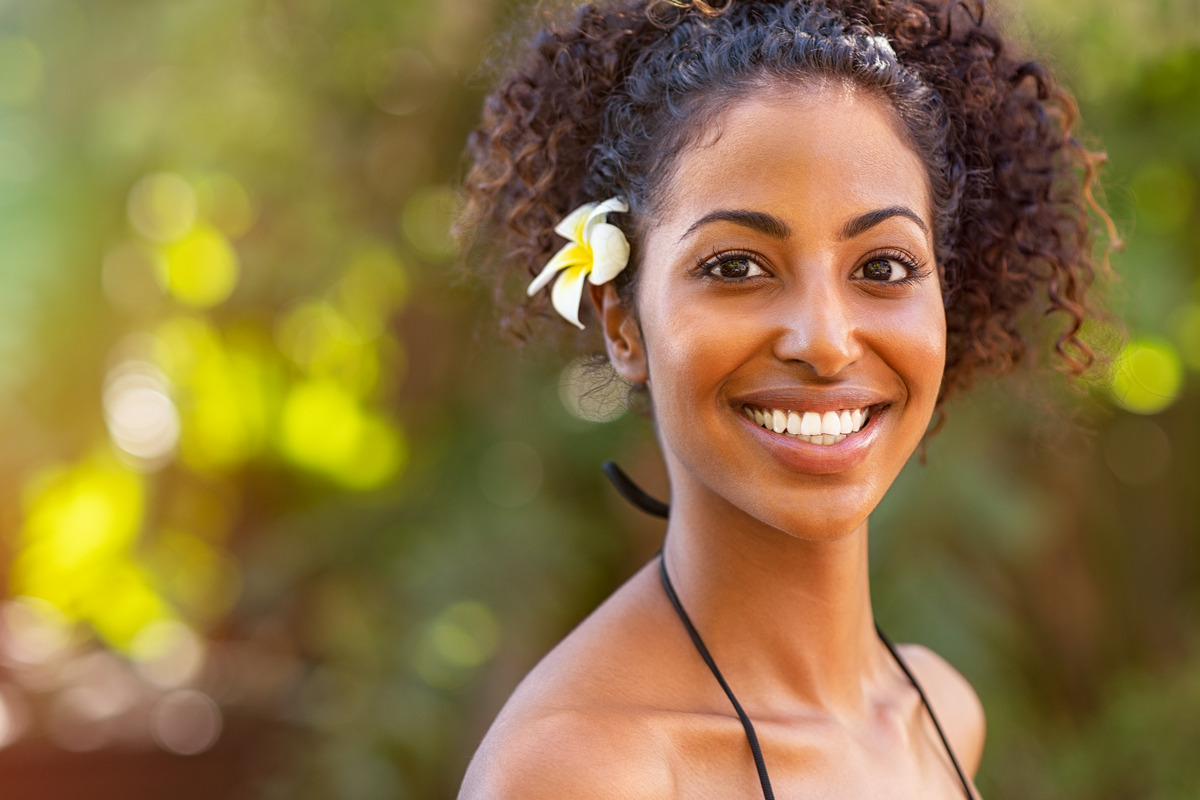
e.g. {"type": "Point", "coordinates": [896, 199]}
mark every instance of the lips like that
{"type": "Point", "coordinates": [781, 422]}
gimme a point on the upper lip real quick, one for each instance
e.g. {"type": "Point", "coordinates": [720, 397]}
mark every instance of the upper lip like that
{"type": "Point", "coordinates": [820, 400]}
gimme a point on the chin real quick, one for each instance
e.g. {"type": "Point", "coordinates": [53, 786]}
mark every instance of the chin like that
{"type": "Point", "coordinates": [826, 520]}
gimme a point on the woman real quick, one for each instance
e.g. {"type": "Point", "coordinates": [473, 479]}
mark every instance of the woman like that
{"type": "Point", "coordinates": [801, 226]}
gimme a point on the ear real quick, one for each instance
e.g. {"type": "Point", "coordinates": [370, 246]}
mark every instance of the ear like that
{"type": "Point", "coordinates": [622, 336]}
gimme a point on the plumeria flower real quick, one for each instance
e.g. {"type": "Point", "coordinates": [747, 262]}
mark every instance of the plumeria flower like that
{"type": "Point", "coordinates": [597, 251]}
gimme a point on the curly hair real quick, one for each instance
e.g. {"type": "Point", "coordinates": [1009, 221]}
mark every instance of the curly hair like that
{"type": "Point", "coordinates": [601, 104]}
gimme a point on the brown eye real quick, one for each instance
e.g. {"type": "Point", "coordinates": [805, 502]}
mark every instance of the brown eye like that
{"type": "Point", "coordinates": [877, 270]}
{"type": "Point", "coordinates": [882, 270]}
{"type": "Point", "coordinates": [734, 267]}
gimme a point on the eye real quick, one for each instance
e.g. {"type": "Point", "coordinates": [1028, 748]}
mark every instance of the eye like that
{"type": "Point", "coordinates": [886, 269]}
{"type": "Point", "coordinates": [732, 267]}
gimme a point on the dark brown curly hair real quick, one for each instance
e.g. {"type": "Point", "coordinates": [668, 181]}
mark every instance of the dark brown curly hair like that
{"type": "Point", "coordinates": [600, 104]}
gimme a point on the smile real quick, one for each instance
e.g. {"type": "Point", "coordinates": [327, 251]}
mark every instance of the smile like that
{"type": "Point", "coordinates": [809, 426]}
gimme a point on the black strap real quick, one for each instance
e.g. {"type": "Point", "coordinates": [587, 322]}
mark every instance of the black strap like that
{"type": "Point", "coordinates": [747, 725]}
{"type": "Point", "coordinates": [635, 495]}
{"type": "Point", "coordinates": [937, 725]}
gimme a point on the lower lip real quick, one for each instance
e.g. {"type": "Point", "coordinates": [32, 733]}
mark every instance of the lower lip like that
{"type": "Point", "coordinates": [819, 459]}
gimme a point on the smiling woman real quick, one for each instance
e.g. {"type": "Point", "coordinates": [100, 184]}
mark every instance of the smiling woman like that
{"type": "Point", "coordinates": [833, 308]}
{"type": "Point", "coordinates": [822, 219]}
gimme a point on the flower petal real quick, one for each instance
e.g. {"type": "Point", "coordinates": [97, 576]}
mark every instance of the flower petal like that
{"type": "Point", "coordinates": [569, 255]}
{"type": "Point", "coordinates": [567, 293]}
{"type": "Point", "coordinates": [599, 214]}
{"type": "Point", "coordinates": [572, 224]}
{"type": "Point", "coordinates": [610, 253]}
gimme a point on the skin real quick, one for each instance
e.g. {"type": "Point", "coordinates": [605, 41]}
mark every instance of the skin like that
{"type": "Point", "coordinates": [767, 541]}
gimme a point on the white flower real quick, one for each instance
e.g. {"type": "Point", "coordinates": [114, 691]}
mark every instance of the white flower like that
{"type": "Point", "coordinates": [597, 251]}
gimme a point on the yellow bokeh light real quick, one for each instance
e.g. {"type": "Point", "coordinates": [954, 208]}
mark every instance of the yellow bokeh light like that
{"type": "Point", "coordinates": [228, 392]}
{"type": "Point", "coordinates": [320, 425]}
{"type": "Point", "coordinates": [78, 548]}
{"type": "Point", "coordinates": [231, 405]}
{"type": "Point", "coordinates": [1147, 376]}
{"type": "Point", "coordinates": [85, 512]}
{"type": "Point", "coordinates": [380, 453]}
{"type": "Point", "coordinates": [127, 603]}
{"type": "Point", "coordinates": [324, 429]}
{"type": "Point", "coordinates": [201, 268]}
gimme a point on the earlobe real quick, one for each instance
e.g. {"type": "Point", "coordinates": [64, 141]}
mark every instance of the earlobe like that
{"type": "Point", "coordinates": [622, 336]}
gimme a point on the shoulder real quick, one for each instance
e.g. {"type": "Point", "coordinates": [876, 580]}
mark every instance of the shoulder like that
{"type": "Point", "coordinates": [593, 720]}
{"type": "Point", "coordinates": [576, 753]}
{"type": "Point", "coordinates": [953, 700]}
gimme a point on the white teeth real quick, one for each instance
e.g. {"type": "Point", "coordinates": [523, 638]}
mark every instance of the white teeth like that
{"type": "Point", "coordinates": [810, 424]}
{"type": "Point", "coordinates": [828, 428]}
{"type": "Point", "coordinates": [830, 424]}
{"type": "Point", "coordinates": [793, 426]}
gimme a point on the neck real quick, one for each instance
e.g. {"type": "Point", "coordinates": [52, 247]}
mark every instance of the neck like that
{"type": "Point", "coordinates": [787, 620]}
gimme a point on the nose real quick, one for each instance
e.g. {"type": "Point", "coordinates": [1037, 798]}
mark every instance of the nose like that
{"type": "Point", "coordinates": [818, 327]}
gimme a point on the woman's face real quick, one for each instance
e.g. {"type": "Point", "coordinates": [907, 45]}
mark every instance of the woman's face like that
{"type": "Point", "coordinates": [790, 325]}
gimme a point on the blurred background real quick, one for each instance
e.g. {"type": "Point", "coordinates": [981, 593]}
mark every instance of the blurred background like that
{"type": "Point", "coordinates": [282, 516]}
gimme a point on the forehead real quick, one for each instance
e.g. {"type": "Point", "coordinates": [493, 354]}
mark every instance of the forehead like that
{"type": "Point", "coordinates": [826, 144]}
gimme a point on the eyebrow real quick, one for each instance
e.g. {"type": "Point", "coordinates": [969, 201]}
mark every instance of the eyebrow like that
{"type": "Point", "coordinates": [762, 222]}
{"type": "Point", "coordinates": [776, 228]}
{"type": "Point", "coordinates": [864, 223]}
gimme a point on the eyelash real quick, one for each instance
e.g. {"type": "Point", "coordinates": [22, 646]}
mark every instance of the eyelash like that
{"type": "Point", "coordinates": [917, 270]}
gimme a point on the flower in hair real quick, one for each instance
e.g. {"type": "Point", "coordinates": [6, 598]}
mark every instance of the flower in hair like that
{"type": "Point", "coordinates": [597, 251]}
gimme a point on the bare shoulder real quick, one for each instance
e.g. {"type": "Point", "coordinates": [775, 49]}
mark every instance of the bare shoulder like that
{"type": "Point", "coordinates": [953, 699]}
{"type": "Point", "coordinates": [576, 753]}
{"type": "Point", "coordinates": [592, 721]}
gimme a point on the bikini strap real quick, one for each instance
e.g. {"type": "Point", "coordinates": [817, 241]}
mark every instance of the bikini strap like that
{"type": "Point", "coordinates": [747, 725]}
{"type": "Point", "coordinates": [635, 494]}
{"type": "Point", "coordinates": [925, 701]}
{"type": "Point", "coordinates": [651, 505]}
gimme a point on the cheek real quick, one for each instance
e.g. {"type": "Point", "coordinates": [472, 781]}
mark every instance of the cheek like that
{"type": "Point", "coordinates": [914, 343]}
{"type": "Point", "coordinates": [693, 343]}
